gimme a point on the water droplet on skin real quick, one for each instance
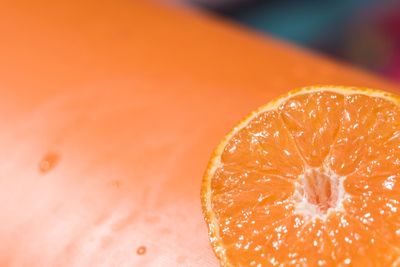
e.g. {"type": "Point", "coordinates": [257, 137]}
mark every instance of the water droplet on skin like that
{"type": "Point", "coordinates": [48, 162]}
{"type": "Point", "coordinates": [116, 183]}
{"type": "Point", "coordinates": [141, 250]}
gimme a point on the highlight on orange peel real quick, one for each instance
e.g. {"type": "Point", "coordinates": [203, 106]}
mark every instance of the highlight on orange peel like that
{"type": "Point", "coordinates": [310, 179]}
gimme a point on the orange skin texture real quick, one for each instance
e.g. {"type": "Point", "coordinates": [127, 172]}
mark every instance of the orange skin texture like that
{"type": "Point", "coordinates": [109, 112]}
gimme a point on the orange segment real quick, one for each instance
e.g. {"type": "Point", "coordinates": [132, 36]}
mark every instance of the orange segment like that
{"type": "Point", "coordinates": [312, 120]}
{"type": "Point", "coordinates": [369, 132]}
{"type": "Point", "coordinates": [311, 179]}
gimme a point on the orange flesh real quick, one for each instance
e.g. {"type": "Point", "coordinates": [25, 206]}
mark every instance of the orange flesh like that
{"type": "Point", "coordinates": [312, 183]}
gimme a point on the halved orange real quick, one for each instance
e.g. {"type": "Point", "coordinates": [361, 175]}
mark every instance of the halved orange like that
{"type": "Point", "coordinates": [310, 179]}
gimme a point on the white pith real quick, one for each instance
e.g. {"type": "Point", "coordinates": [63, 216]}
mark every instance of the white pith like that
{"type": "Point", "coordinates": [310, 211]}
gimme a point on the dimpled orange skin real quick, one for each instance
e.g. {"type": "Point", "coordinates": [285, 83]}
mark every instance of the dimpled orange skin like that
{"type": "Point", "coordinates": [109, 111]}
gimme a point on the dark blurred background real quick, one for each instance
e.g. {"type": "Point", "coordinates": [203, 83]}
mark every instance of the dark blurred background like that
{"type": "Point", "coordinates": [362, 32]}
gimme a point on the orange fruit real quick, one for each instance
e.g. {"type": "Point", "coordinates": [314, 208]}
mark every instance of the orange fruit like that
{"type": "Point", "coordinates": [310, 179]}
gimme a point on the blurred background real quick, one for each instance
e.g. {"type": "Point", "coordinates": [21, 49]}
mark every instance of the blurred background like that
{"type": "Point", "coordinates": [362, 32]}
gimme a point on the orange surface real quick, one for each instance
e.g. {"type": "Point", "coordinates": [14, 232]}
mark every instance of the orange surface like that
{"type": "Point", "coordinates": [109, 112]}
{"type": "Point", "coordinates": [309, 179]}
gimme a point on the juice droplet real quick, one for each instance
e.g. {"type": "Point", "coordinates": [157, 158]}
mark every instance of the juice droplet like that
{"type": "Point", "coordinates": [116, 183]}
{"type": "Point", "coordinates": [141, 250]}
{"type": "Point", "coordinates": [48, 162]}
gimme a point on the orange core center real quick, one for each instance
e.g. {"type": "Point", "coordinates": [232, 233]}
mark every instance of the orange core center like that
{"type": "Point", "coordinates": [320, 189]}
